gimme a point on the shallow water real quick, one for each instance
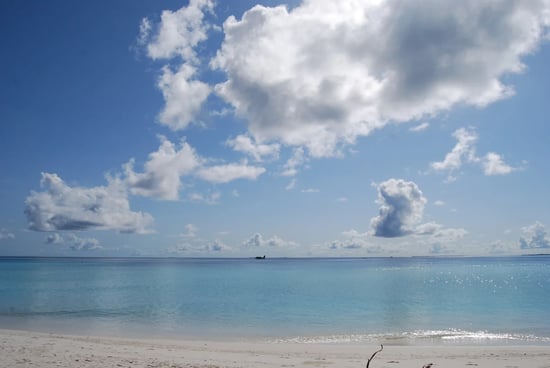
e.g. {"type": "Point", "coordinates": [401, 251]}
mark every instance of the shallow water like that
{"type": "Point", "coordinates": [400, 300]}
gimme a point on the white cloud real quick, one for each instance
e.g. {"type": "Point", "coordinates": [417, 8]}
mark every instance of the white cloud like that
{"type": "Point", "coordinates": [499, 247]}
{"type": "Point", "coordinates": [535, 236]}
{"type": "Point", "coordinates": [190, 231]}
{"type": "Point", "coordinates": [200, 246]}
{"type": "Point", "coordinates": [179, 32]}
{"type": "Point", "coordinates": [420, 127]}
{"type": "Point", "coordinates": [310, 190]}
{"type": "Point", "coordinates": [183, 96]}
{"type": "Point", "coordinates": [465, 152]}
{"type": "Point", "coordinates": [402, 206]}
{"type": "Point", "coordinates": [61, 207]}
{"type": "Point", "coordinates": [163, 170]}
{"type": "Point", "coordinates": [353, 234]}
{"type": "Point", "coordinates": [291, 184]}
{"type": "Point", "coordinates": [74, 242]}
{"type": "Point", "coordinates": [5, 234]}
{"type": "Point", "coordinates": [54, 238]}
{"type": "Point", "coordinates": [209, 198]}
{"type": "Point", "coordinates": [229, 172]}
{"type": "Point", "coordinates": [493, 164]}
{"type": "Point", "coordinates": [78, 243]}
{"type": "Point", "coordinates": [177, 35]}
{"type": "Point", "coordinates": [437, 231]}
{"type": "Point", "coordinates": [438, 248]}
{"type": "Point", "coordinates": [348, 244]}
{"type": "Point", "coordinates": [439, 203]}
{"type": "Point", "coordinates": [297, 160]}
{"type": "Point", "coordinates": [166, 166]}
{"type": "Point", "coordinates": [326, 72]}
{"type": "Point", "coordinates": [217, 246]}
{"type": "Point", "coordinates": [247, 145]}
{"type": "Point", "coordinates": [257, 240]}
{"type": "Point", "coordinates": [354, 240]}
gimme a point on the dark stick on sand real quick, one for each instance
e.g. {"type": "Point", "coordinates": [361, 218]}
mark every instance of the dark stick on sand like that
{"type": "Point", "coordinates": [372, 356]}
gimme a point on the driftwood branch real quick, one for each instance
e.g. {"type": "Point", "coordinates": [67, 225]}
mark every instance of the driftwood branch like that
{"type": "Point", "coordinates": [372, 356]}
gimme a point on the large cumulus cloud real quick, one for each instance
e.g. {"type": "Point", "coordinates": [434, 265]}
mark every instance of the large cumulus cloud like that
{"type": "Point", "coordinates": [62, 207]}
{"type": "Point", "coordinates": [326, 72]}
{"type": "Point", "coordinates": [401, 208]}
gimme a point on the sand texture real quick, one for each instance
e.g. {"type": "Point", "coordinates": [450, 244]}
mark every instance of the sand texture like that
{"type": "Point", "coordinates": [30, 349]}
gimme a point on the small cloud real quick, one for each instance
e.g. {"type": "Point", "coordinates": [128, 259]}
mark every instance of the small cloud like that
{"type": "Point", "coordinates": [439, 203]}
{"type": "Point", "coordinates": [493, 164]}
{"type": "Point", "coordinates": [465, 152]}
{"type": "Point", "coordinates": [144, 31]}
{"type": "Point", "coordinates": [438, 231]}
{"type": "Point", "coordinates": [235, 193]}
{"type": "Point", "coordinates": [297, 160]}
{"type": "Point", "coordinates": [257, 240]}
{"type": "Point", "coordinates": [342, 199]}
{"type": "Point", "coordinates": [74, 242]}
{"type": "Point", "coordinates": [82, 244]}
{"type": "Point", "coordinates": [248, 145]}
{"type": "Point", "coordinates": [54, 238]}
{"type": "Point", "coordinates": [226, 173]}
{"type": "Point", "coordinates": [291, 185]}
{"type": "Point", "coordinates": [190, 231]}
{"type": "Point", "coordinates": [419, 127]}
{"type": "Point", "coordinates": [199, 246]}
{"type": "Point", "coordinates": [352, 234]}
{"type": "Point", "coordinates": [438, 249]}
{"type": "Point", "coordinates": [217, 246]}
{"type": "Point", "coordinates": [346, 244]}
{"type": "Point", "coordinates": [5, 234]}
{"type": "Point", "coordinates": [310, 190]}
{"type": "Point", "coordinates": [499, 247]}
{"type": "Point", "coordinates": [353, 240]}
{"type": "Point", "coordinates": [534, 236]}
{"type": "Point", "coordinates": [210, 198]}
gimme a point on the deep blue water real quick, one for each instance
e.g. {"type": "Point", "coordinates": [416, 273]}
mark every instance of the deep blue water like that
{"type": "Point", "coordinates": [406, 300]}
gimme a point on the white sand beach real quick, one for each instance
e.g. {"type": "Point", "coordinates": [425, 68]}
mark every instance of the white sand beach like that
{"type": "Point", "coordinates": [31, 349]}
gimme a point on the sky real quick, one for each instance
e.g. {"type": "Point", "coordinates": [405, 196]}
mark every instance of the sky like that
{"type": "Point", "coordinates": [288, 129]}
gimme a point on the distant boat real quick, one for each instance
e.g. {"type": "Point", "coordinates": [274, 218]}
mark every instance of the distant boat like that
{"type": "Point", "coordinates": [259, 257]}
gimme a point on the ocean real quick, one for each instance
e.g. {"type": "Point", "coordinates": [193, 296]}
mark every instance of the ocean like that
{"type": "Point", "coordinates": [390, 300]}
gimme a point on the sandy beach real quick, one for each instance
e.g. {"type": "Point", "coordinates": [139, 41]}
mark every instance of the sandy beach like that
{"type": "Point", "coordinates": [31, 349]}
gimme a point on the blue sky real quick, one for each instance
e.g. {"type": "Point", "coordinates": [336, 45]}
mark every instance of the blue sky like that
{"type": "Point", "coordinates": [314, 128]}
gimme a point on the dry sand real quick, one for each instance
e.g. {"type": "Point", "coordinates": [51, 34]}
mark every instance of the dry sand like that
{"type": "Point", "coordinates": [30, 349]}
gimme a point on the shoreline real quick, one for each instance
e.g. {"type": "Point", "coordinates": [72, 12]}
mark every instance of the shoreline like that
{"type": "Point", "coordinates": [26, 348]}
{"type": "Point", "coordinates": [446, 337]}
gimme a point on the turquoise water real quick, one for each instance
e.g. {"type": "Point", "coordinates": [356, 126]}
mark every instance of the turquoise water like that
{"type": "Point", "coordinates": [401, 300]}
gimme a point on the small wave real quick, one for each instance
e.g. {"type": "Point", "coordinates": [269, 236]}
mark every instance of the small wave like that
{"type": "Point", "coordinates": [418, 337]}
